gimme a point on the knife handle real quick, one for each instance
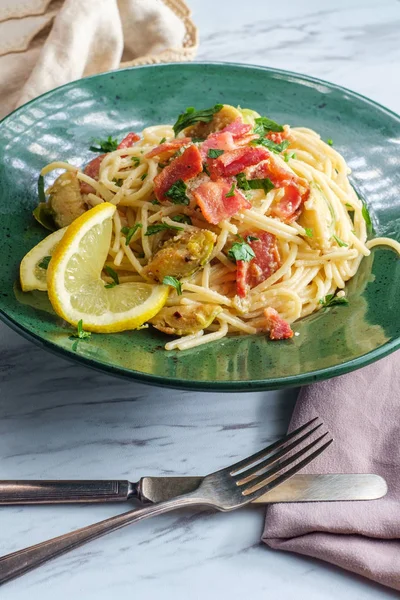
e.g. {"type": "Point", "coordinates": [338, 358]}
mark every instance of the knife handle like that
{"type": "Point", "coordinates": [61, 492]}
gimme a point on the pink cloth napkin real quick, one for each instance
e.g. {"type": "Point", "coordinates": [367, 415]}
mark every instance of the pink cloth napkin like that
{"type": "Point", "coordinates": [362, 412]}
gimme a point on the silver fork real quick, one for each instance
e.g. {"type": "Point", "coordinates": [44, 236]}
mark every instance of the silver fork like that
{"type": "Point", "coordinates": [224, 490]}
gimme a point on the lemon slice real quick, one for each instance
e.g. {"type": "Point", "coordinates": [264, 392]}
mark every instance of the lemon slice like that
{"type": "Point", "coordinates": [33, 276]}
{"type": "Point", "coordinates": [75, 287]}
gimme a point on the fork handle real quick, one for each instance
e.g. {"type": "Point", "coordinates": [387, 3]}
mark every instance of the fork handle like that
{"type": "Point", "coordinates": [16, 564]}
{"type": "Point", "coordinates": [58, 492]}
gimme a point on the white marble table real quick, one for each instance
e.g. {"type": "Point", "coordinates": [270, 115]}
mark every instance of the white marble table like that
{"type": "Point", "coordinates": [58, 420]}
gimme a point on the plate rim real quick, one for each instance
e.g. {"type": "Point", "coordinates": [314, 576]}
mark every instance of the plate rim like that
{"type": "Point", "coordinates": [209, 385]}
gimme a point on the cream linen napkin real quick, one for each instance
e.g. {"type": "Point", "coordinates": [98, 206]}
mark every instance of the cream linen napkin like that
{"type": "Point", "coordinates": [44, 43]}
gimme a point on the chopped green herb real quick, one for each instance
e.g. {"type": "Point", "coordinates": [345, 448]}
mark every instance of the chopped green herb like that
{"type": "Point", "coordinates": [254, 184]}
{"type": "Point", "coordinates": [205, 169]}
{"type": "Point", "coordinates": [80, 333]}
{"type": "Point", "coordinates": [164, 139]}
{"type": "Point", "coordinates": [173, 282]}
{"type": "Point", "coordinates": [40, 187]}
{"type": "Point", "coordinates": [367, 218]}
{"type": "Point", "coordinates": [44, 263]}
{"type": "Point", "coordinates": [155, 202]}
{"type": "Point", "coordinates": [231, 192]}
{"type": "Point", "coordinates": [329, 142]}
{"type": "Point", "coordinates": [273, 146]}
{"type": "Point", "coordinates": [129, 232]}
{"type": "Point", "coordinates": [309, 232]}
{"type": "Point", "coordinates": [143, 177]}
{"type": "Point", "coordinates": [197, 140]}
{"type": "Point", "coordinates": [349, 206]}
{"type": "Point", "coordinates": [177, 193]}
{"type": "Point", "coordinates": [44, 215]}
{"type": "Point", "coordinates": [177, 153]}
{"type": "Point", "coordinates": [114, 276]}
{"type": "Point", "coordinates": [136, 160]}
{"type": "Point", "coordinates": [340, 242]}
{"type": "Point", "coordinates": [192, 116]}
{"type": "Point", "coordinates": [162, 165]}
{"type": "Point", "coordinates": [182, 219]}
{"type": "Point", "coordinates": [288, 155]}
{"type": "Point", "coordinates": [332, 300]}
{"type": "Point", "coordinates": [252, 238]}
{"type": "Point", "coordinates": [214, 153]}
{"type": "Point", "coordinates": [153, 229]}
{"type": "Point", "coordinates": [264, 125]}
{"type": "Point", "coordinates": [108, 145]}
{"type": "Point", "coordinates": [118, 182]}
{"type": "Point", "coordinates": [241, 251]}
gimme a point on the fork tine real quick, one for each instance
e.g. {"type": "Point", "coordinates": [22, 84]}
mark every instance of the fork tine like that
{"type": "Point", "coordinates": [247, 462]}
{"type": "Point", "coordinates": [260, 481]}
{"type": "Point", "coordinates": [261, 467]}
{"type": "Point", "coordinates": [263, 489]}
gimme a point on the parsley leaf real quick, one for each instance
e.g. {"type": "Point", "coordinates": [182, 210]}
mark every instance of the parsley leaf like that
{"type": "Point", "coordinates": [309, 232]}
{"type": "Point", "coordinates": [241, 251]}
{"type": "Point", "coordinates": [254, 184]}
{"type": "Point", "coordinates": [114, 276]}
{"type": "Point", "coordinates": [44, 263]}
{"type": "Point", "coordinates": [192, 116]}
{"type": "Point", "coordinates": [177, 193]}
{"type": "Point", "coordinates": [143, 177]}
{"type": "Point", "coordinates": [205, 169]}
{"type": "Point", "coordinates": [288, 155]}
{"type": "Point", "coordinates": [173, 282]}
{"type": "Point", "coordinates": [118, 182]}
{"type": "Point", "coordinates": [80, 333]}
{"type": "Point", "coordinates": [252, 238]}
{"type": "Point", "coordinates": [155, 202]}
{"type": "Point", "coordinates": [153, 229]}
{"type": "Point", "coordinates": [367, 218]}
{"type": "Point", "coordinates": [231, 192]}
{"type": "Point", "coordinates": [332, 300]}
{"type": "Point", "coordinates": [277, 148]}
{"type": "Point", "coordinates": [182, 219]}
{"type": "Point", "coordinates": [136, 160]}
{"type": "Point", "coordinates": [108, 145]}
{"type": "Point", "coordinates": [264, 125]}
{"type": "Point", "coordinates": [129, 232]}
{"type": "Point", "coordinates": [329, 142]}
{"type": "Point", "coordinates": [214, 153]}
{"type": "Point", "coordinates": [340, 242]}
{"type": "Point", "coordinates": [164, 139]}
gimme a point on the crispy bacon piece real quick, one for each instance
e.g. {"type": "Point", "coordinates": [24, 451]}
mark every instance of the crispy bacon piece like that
{"type": "Point", "coordinates": [185, 166]}
{"type": "Point", "coordinates": [296, 189]}
{"type": "Point", "coordinates": [237, 128]}
{"type": "Point", "coordinates": [129, 140]}
{"type": "Point", "coordinates": [235, 161]}
{"type": "Point", "coordinates": [167, 149]}
{"type": "Point", "coordinates": [278, 328]}
{"type": "Point", "coordinates": [279, 136]}
{"type": "Point", "coordinates": [92, 170]}
{"type": "Point", "coordinates": [215, 206]}
{"type": "Point", "coordinates": [263, 265]}
{"type": "Point", "coordinates": [218, 141]}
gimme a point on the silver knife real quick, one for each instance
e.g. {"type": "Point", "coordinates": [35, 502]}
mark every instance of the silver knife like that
{"type": "Point", "coordinates": [300, 488]}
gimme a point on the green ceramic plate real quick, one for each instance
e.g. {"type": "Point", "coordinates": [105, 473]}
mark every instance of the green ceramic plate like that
{"type": "Point", "coordinates": [61, 124]}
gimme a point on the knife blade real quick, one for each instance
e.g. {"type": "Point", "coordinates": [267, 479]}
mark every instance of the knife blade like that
{"type": "Point", "coordinates": [300, 488]}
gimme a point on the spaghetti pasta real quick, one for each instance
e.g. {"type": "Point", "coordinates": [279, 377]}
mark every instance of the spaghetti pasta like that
{"type": "Point", "coordinates": [288, 229]}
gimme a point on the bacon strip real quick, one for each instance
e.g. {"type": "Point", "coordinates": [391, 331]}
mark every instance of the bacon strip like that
{"type": "Point", "coordinates": [167, 149]}
{"type": "Point", "coordinates": [279, 329]}
{"type": "Point", "coordinates": [266, 261]}
{"type": "Point", "coordinates": [215, 206]}
{"type": "Point", "coordinates": [235, 161]}
{"type": "Point", "coordinates": [185, 166]}
{"type": "Point", "coordinates": [128, 140]}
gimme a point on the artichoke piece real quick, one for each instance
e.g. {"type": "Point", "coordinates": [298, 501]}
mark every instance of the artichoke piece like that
{"type": "Point", "coordinates": [185, 319]}
{"type": "Point", "coordinates": [182, 256]}
{"type": "Point", "coordinates": [221, 119]}
{"type": "Point", "coordinates": [66, 202]}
